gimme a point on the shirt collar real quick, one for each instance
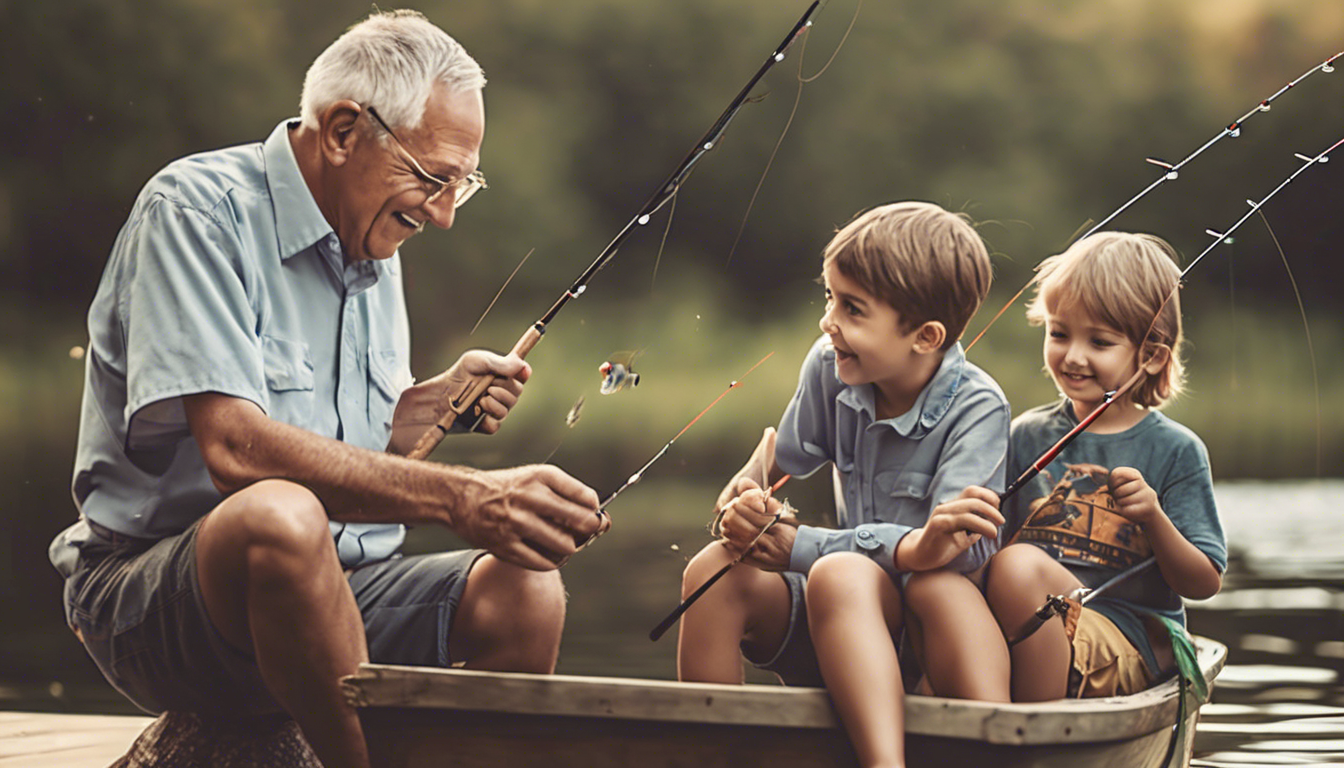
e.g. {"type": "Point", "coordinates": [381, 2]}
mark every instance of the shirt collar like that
{"type": "Point", "coordinates": [931, 405]}
{"type": "Point", "coordinates": [299, 223]}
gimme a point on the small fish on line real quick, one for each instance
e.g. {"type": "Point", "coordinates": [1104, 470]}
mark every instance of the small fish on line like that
{"type": "Point", "coordinates": [618, 373]}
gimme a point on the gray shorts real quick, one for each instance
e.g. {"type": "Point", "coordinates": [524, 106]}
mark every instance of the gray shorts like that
{"type": "Point", "coordinates": [138, 608]}
{"type": "Point", "coordinates": [795, 662]}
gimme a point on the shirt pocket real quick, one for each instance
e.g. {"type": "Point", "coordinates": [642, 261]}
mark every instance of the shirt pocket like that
{"type": "Point", "coordinates": [289, 379]}
{"type": "Point", "coordinates": [906, 494]}
{"type": "Point", "coordinates": [388, 378]}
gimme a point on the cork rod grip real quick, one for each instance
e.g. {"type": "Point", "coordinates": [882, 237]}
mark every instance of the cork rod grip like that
{"type": "Point", "coordinates": [467, 397]}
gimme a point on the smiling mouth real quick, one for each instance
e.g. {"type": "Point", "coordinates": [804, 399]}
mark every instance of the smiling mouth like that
{"type": "Point", "coordinates": [407, 221]}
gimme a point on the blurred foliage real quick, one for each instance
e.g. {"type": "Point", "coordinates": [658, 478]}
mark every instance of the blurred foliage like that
{"type": "Point", "coordinates": [1034, 118]}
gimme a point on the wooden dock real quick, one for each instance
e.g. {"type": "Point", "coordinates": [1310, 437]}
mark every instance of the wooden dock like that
{"type": "Point", "coordinates": [44, 740]}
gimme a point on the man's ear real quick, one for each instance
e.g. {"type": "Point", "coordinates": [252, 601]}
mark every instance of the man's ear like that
{"type": "Point", "coordinates": [336, 130]}
{"type": "Point", "coordinates": [1156, 358]}
{"type": "Point", "coordinates": [929, 337]}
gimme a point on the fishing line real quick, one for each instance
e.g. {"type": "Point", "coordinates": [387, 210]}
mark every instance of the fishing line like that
{"type": "Point", "coordinates": [465, 398]}
{"type": "Point", "coordinates": [501, 291]}
{"type": "Point", "coordinates": [1306, 327]}
{"type": "Point", "coordinates": [1112, 396]}
{"type": "Point", "coordinates": [798, 97]}
{"type": "Point", "coordinates": [1172, 171]}
{"type": "Point", "coordinates": [635, 478]}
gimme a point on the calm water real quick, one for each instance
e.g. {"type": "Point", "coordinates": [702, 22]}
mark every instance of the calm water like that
{"type": "Point", "coordinates": [1280, 701]}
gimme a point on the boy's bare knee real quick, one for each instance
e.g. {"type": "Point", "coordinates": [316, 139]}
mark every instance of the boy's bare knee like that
{"type": "Point", "coordinates": [838, 575]}
{"type": "Point", "coordinates": [703, 566]}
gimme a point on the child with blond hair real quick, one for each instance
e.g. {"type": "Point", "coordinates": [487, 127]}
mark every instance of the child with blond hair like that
{"type": "Point", "coordinates": [887, 399]}
{"type": "Point", "coordinates": [1136, 485]}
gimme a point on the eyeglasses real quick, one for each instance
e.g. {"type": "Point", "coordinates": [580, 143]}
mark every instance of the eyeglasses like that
{"type": "Point", "coordinates": [462, 189]}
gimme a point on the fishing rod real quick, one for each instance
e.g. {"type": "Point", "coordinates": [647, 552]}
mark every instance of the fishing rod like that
{"type": "Point", "coordinates": [1172, 171]}
{"type": "Point", "coordinates": [1057, 604]}
{"type": "Point", "coordinates": [1218, 239]}
{"type": "Point", "coordinates": [473, 389]}
{"type": "Point", "coordinates": [671, 618]}
{"type": "Point", "coordinates": [639, 475]}
{"type": "Point", "coordinates": [1053, 604]}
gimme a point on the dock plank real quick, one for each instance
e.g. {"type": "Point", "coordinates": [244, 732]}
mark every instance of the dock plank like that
{"type": "Point", "coordinates": [45, 740]}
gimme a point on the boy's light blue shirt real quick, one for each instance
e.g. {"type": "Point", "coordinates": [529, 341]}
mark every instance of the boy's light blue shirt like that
{"type": "Point", "coordinates": [891, 473]}
{"type": "Point", "coordinates": [227, 278]}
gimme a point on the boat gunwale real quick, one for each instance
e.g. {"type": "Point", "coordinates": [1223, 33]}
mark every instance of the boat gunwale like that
{"type": "Point", "coordinates": [1053, 722]}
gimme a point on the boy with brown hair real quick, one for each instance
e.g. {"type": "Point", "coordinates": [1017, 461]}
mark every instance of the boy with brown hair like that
{"type": "Point", "coordinates": [888, 399]}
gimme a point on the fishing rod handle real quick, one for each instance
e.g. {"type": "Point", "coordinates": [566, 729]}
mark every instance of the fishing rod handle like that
{"type": "Point", "coordinates": [467, 397]}
{"type": "Point", "coordinates": [676, 613]}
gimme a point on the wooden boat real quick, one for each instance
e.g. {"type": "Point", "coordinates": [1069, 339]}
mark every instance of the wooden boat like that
{"type": "Point", "coordinates": [415, 716]}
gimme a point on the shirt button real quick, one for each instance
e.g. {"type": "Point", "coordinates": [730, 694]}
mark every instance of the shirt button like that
{"type": "Point", "coordinates": [865, 534]}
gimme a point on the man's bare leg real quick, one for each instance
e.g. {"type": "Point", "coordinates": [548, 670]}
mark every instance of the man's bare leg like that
{"type": "Point", "coordinates": [272, 582]}
{"type": "Point", "coordinates": [855, 612]}
{"type": "Point", "coordinates": [746, 609]}
{"type": "Point", "coordinates": [510, 619]}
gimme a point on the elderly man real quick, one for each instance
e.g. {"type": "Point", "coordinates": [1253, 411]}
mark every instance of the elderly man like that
{"type": "Point", "coordinates": [248, 390]}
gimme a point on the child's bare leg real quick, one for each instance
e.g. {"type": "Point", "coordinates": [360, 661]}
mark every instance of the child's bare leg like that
{"type": "Point", "coordinates": [1020, 579]}
{"type": "Point", "coordinates": [747, 607]}
{"type": "Point", "coordinates": [854, 612]}
{"type": "Point", "coordinates": [963, 650]}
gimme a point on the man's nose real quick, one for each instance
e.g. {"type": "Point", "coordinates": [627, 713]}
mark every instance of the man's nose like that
{"type": "Point", "coordinates": [442, 210]}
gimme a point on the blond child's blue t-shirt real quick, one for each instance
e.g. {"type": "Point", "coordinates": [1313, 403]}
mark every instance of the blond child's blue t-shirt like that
{"type": "Point", "coordinates": [891, 473]}
{"type": "Point", "coordinates": [1067, 509]}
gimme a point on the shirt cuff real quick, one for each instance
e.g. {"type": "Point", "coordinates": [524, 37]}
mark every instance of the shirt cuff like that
{"type": "Point", "coordinates": [876, 540]}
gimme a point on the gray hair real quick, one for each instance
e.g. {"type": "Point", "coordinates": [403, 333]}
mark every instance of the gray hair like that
{"type": "Point", "coordinates": [391, 60]}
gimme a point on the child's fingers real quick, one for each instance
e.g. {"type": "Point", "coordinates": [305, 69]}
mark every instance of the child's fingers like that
{"type": "Point", "coordinates": [746, 484]}
{"type": "Point", "coordinates": [982, 494]}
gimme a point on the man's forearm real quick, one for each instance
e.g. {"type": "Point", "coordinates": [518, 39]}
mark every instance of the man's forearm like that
{"type": "Point", "coordinates": [242, 445]}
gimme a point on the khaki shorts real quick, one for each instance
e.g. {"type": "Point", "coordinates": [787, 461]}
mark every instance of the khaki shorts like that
{"type": "Point", "coordinates": [1104, 662]}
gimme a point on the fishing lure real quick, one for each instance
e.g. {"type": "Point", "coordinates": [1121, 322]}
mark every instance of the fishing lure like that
{"type": "Point", "coordinates": [618, 373]}
{"type": "Point", "coordinates": [635, 478]}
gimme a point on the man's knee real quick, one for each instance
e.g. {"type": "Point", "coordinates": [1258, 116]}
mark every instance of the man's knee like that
{"type": "Point", "coordinates": [275, 515]}
{"type": "Point", "coordinates": [500, 594]}
{"type": "Point", "coordinates": [510, 618]}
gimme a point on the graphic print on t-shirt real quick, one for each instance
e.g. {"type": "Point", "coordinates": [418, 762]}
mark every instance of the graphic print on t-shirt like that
{"type": "Point", "coordinates": [1077, 520]}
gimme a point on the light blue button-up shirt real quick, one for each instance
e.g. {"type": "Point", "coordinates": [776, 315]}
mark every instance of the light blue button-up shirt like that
{"type": "Point", "coordinates": [891, 473]}
{"type": "Point", "coordinates": [227, 278]}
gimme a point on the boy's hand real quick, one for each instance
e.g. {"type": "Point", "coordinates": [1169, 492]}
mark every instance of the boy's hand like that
{"type": "Point", "coordinates": [756, 470]}
{"type": "Point", "coordinates": [743, 519]}
{"type": "Point", "coordinates": [1135, 499]}
{"type": "Point", "coordinates": [952, 528]}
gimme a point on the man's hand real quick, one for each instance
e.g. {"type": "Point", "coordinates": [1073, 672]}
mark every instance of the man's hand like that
{"type": "Point", "coordinates": [746, 515]}
{"type": "Point", "coordinates": [952, 528]}
{"type": "Point", "coordinates": [425, 404]}
{"type": "Point", "coordinates": [757, 469]}
{"type": "Point", "coordinates": [533, 516]}
{"type": "Point", "coordinates": [1135, 500]}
